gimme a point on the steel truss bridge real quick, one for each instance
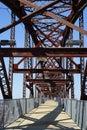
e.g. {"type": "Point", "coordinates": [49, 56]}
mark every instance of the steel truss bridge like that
{"type": "Point", "coordinates": [49, 50]}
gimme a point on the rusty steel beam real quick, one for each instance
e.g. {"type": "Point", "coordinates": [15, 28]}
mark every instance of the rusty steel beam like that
{"type": "Point", "coordinates": [4, 82]}
{"type": "Point", "coordinates": [84, 85]}
{"type": "Point", "coordinates": [44, 87]}
{"type": "Point", "coordinates": [67, 23]}
{"type": "Point", "coordinates": [43, 52]}
{"type": "Point", "coordinates": [30, 4]}
{"type": "Point", "coordinates": [48, 80]}
{"type": "Point", "coordinates": [46, 84]}
{"type": "Point", "coordinates": [41, 10]}
{"type": "Point", "coordinates": [50, 14]}
{"type": "Point", "coordinates": [72, 18]}
{"type": "Point", "coordinates": [50, 71]}
{"type": "Point", "coordinates": [30, 87]}
{"type": "Point", "coordinates": [27, 17]}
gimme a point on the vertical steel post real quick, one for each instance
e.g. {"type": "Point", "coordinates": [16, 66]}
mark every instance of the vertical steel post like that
{"type": "Point", "coordinates": [25, 65]}
{"type": "Point", "coordinates": [27, 61]}
{"type": "Point", "coordinates": [81, 37]}
{"type": "Point", "coordinates": [69, 65]}
{"type": "Point", "coordinates": [11, 59]}
{"type": "Point", "coordinates": [30, 63]}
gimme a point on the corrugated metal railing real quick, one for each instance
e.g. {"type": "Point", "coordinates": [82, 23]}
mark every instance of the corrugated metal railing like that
{"type": "Point", "coordinates": [11, 110]}
{"type": "Point", "coordinates": [77, 111]}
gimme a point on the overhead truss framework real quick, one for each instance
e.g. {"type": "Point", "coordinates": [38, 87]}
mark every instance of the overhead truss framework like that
{"type": "Point", "coordinates": [48, 24]}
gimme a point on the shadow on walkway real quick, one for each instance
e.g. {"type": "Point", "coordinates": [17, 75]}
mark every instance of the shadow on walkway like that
{"type": "Point", "coordinates": [47, 122]}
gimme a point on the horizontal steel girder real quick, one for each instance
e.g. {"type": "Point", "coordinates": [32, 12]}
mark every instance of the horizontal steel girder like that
{"type": "Point", "coordinates": [71, 71]}
{"type": "Point", "coordinates": [43, 52]}
{"type": "Point", "coordinates": [47, 84]}
{"type": "Point", "coordinates": [48, 80]}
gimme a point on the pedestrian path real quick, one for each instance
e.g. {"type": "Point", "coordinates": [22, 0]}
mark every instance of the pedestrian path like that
{"type": "Point", "coordinates": [48, 116]}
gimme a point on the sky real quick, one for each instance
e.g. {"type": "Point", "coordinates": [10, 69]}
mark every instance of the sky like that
{"type": "Point", "coordinates": [19, 37]}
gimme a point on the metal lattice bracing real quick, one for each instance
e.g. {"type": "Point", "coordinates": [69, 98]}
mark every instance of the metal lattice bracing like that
{"type": "Point", "coordinates": [84, 85]}
{"type": "Point", "coordinates": [81, 37]}
{"type": "Point", "coordinates": [4, 79]}
{"type": "Point", "coordinates": [27, 61]}
{"type": "Point", "coordinates": [11, 59]}
{"type": "Point", "coordinates": [49, 24]}
{"type": "Point", "coordinates": [69, 65]}
{"type": "Point", "coordinates": [4, 82]}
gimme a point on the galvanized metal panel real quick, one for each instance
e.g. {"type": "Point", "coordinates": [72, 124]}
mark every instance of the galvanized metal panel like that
{"type": "Point", "coordinates": [11, 110]}
{"type": "Point", "coordinates": [78, 111]}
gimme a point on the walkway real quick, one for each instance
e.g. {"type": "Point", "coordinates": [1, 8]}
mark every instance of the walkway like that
{"type": "Point", "coordinates": [47, 116]}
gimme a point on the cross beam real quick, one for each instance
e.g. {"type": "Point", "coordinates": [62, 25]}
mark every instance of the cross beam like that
{"type": "Point", "coordinates": [50, 71]}
{"type": "Point", "coordinates": [43, 52]}
{"type": "Point", "coordinates": [48, 80]}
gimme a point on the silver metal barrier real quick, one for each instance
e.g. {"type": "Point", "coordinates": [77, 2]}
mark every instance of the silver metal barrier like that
{"type": "Point", "coordinates": [1, 113]}
{"type": "Point", "coordinates": [11, 110]}
{"type": "Point", "coordinates": [77, 111]}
